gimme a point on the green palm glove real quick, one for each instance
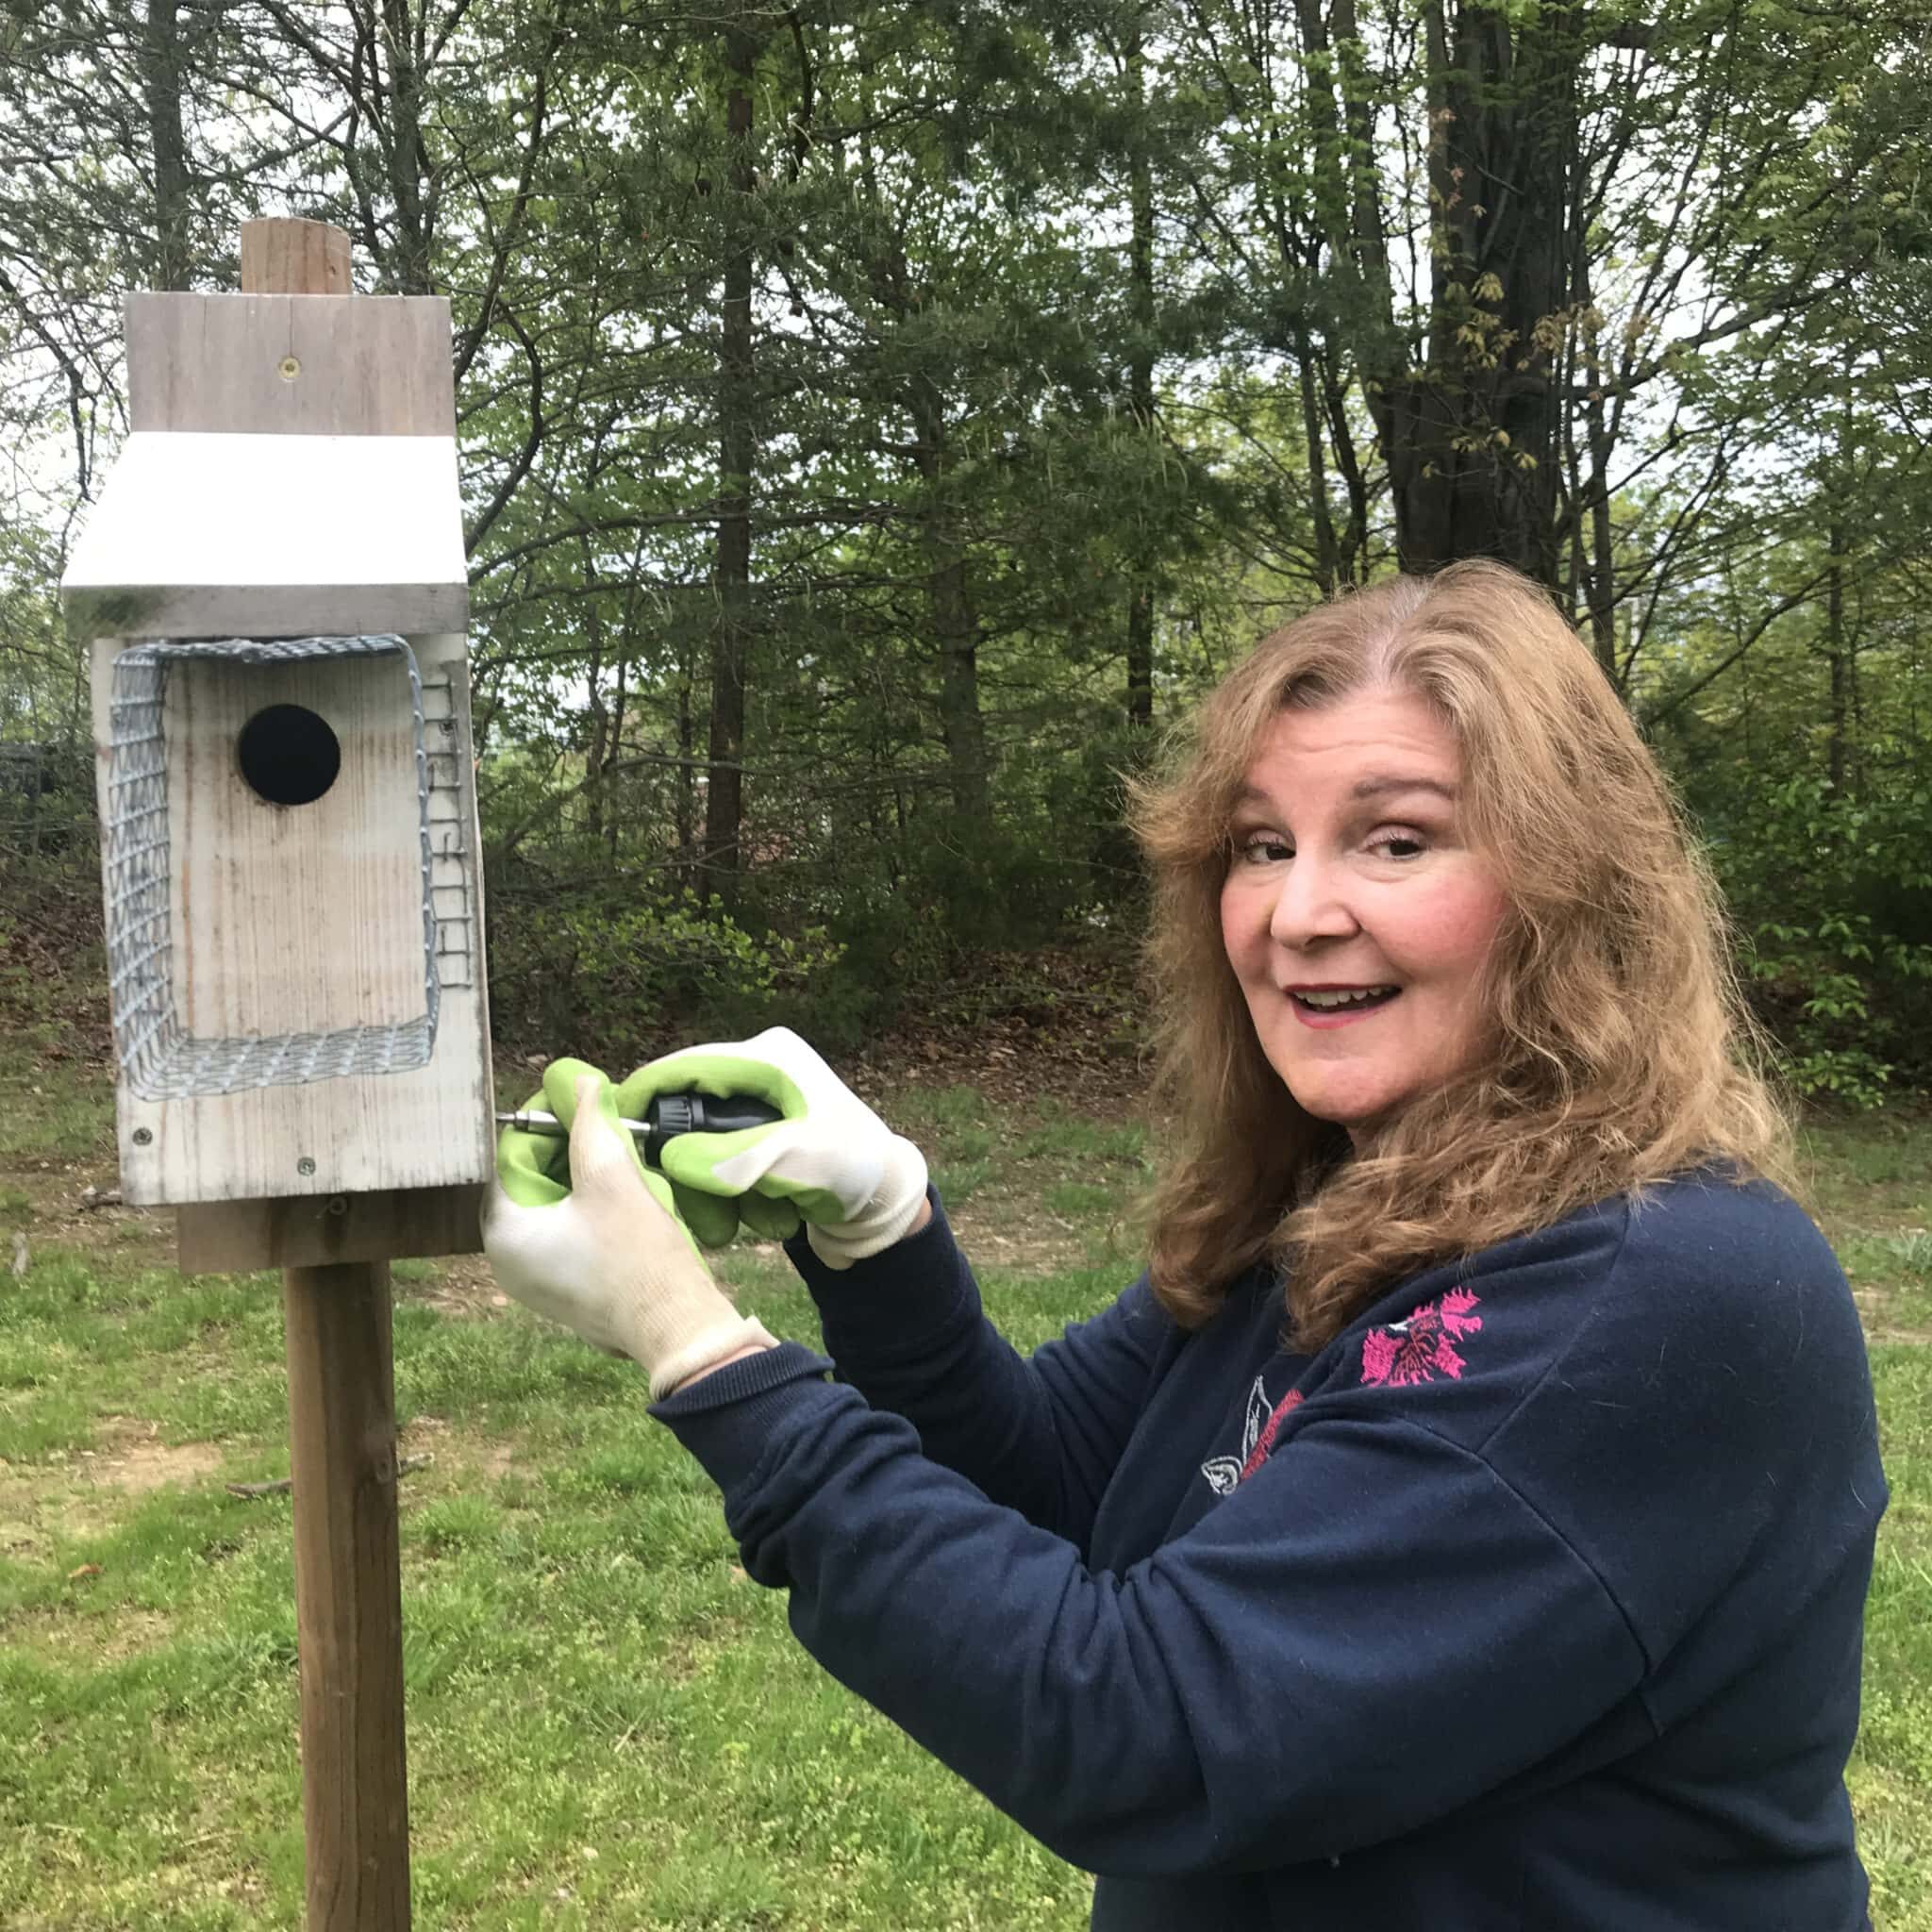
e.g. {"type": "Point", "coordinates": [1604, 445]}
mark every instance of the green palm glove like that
{"type": "Point", "coordinates": [829, 1160]}
{"type": "Point", "coordinates": [534, 1169]}
{"type": "Point", "coordinates": [602, 1251]}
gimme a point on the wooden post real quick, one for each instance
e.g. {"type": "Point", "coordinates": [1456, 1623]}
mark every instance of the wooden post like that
{"type": "Point", "coordinates": [348, 1596]}
{"type": "Point", "coordinates": [285, 256]}
{"type": "Point", "coordinates": [343, 1447]}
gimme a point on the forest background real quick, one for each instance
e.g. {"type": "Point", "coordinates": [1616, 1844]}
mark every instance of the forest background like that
{"type": "Point", "coordinates": [880, 423]}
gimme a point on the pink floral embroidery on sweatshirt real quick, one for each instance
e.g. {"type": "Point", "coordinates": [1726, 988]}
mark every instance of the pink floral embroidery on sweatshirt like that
{"type": "Point", "coordinates": [1423, 1348]}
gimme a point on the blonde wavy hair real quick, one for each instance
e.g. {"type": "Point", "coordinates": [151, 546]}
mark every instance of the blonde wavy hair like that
{"type": "Point", "coordinates": [1617, 1049]}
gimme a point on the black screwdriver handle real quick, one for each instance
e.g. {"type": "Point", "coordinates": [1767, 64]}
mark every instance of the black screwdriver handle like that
{"type": "Point", "coordinates": [671, 1114]}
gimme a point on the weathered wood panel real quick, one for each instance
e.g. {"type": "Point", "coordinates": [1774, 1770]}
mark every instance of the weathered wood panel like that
{"type": "Point", "coordinates": [342, 1446]}
{"type": "Point", "coordinates": [302, 365]}
{"type": "Point", "coordinates": [280, 920]}
{"type": "Point", "coordinates": [294, 471]}
{"type": "Point", "coordinates": [294, 918]}
{"type": "Point", "coordinates": [280, 611]}
{"type": "Point", "coordinates": [348, 1596]}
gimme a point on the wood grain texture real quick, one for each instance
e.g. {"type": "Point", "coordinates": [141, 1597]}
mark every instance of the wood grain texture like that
{"type": "Point", "coordinates": [307, 1231]}
{"type": "Point", "coordinates": [348, 1596]}
{"type": "Point", "coordinates": [299, 918]}
{"type": "Point", "coordinates": [295, 365]}
{"type": "Point", "coordinates": [293, 473]}
{"type": "Point", "coordinates": [289, 917]}
{"type": "Point", "coordinates": [283, 254]}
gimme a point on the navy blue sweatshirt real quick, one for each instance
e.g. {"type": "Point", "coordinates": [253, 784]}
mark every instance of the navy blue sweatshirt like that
{"type": "Point", "coordinates": [1534, 1600]}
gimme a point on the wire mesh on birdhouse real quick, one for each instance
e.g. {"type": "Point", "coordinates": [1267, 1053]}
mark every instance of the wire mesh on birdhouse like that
{"type": "Point", "coordinates": [159, 1058]}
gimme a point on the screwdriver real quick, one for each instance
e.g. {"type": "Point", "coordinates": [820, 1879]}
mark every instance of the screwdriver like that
{"type": "Point", "coordinates": [668, 1115]}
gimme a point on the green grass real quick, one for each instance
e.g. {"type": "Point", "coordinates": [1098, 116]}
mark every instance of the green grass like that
{"type": "Point", "coordinates": [1871, 1180]}
{"type": "Point", "coordinates": [607, 1725]}
{"type": "Point", "coordinates": [56, 1108]}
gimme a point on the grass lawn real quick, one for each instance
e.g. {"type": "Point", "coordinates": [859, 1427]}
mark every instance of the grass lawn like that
{"type": "Point", "coordinates": [607, 1725]}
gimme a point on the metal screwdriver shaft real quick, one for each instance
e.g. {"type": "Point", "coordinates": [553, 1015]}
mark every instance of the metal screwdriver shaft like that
{"type": "Point", "coordinates": [668, 1115]}
{"type": "Point", "coordinates": [528, 1122]}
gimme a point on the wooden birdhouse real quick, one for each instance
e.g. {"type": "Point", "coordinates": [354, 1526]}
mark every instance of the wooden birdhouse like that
{"type": "Point", "coordinates": [273, 584]}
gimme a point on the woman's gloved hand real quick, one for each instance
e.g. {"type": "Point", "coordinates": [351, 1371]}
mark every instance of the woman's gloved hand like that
{"type": "Point", "coordinates": [578, 1231]}
{"type": "Point", "coordinates": [830, 1161]}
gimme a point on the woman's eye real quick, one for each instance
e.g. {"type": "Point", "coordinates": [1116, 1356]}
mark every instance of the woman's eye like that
{"type": "Point", "coordinates": [1398, 846]}
{"type": "Point", "coordinates": [1264, 848]}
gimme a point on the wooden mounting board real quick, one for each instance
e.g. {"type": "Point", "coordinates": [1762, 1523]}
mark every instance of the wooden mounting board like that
{"type": "Point", "coordinates": [233, 1236]}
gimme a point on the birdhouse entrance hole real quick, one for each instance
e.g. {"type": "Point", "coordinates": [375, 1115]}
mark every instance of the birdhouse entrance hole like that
{"type": "Point", "coordinates": [288, 754]}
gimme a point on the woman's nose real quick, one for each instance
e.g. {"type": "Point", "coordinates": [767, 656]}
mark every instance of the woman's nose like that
{"type": "Point", "coordinates": [1311, 905]}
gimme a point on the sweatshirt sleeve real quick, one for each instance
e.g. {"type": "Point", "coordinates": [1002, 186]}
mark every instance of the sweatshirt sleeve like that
{"type": "Point", "coordinates": [1371, 1632]}
{"type": "Point", "coordinates": [1040, 1434]}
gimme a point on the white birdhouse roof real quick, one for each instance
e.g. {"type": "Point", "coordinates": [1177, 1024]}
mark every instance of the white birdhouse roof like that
{"type": "Point", "coordinates": [257, 536]}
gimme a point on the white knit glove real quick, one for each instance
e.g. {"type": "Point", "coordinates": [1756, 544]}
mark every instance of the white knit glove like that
{"type": "Point", "coordinates": [829, 1161]}
{"type": "Point", "coordinates": [602, 1250]}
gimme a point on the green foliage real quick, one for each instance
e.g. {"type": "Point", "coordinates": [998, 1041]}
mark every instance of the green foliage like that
{"type": "Point", "coordinates": [605, 969]}
{"type": "Point", "coordinates": [1844, 964]}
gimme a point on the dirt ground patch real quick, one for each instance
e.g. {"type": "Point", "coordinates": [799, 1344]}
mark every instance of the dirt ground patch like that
{"type": "Point", "coordinates": [1888, 1315]}
{"type": "Point", "coordinates": [78, 1494]}
{"type": "Point", "coordinates": [130, 1457]}
{"type": "Point", "coordinates": [92, 1639]}
{"type": "Point", "coordinates": [23, 1493]}
{"type": "Point", "coordinates": [1016, 1235]}
{"type": "Point", "coordinates": [459, 1285]}
{"type": "Point", "coordinates": [1011, 1060]}
{"type": "Point", "coordinates": [460, 1455]}
{"type": "Point", "coordinates": [67, 1212]}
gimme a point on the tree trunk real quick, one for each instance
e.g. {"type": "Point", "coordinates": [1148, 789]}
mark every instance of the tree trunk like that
{"type": "Point", "coordinates": [1472, 436]}
{"type": "Point", "coordinates": [1842, 637]}
{"type": "Point", "coordinates": [616, 746]}
{"type": "Point", "coordinates": [161, 63]}
{"type": "Point", "coordinates": [1328, 556]}
{"type": "Point", "coordinates": [1837, 654]}
{"type": "Point", "coordinates": [684, 806]}
{"type": "Point", "coordinates": [1600, 581]}
{"type": "Point", "coordinates": [731, 628]}
{"type": "Point", "coordinates": [1350, 216]}
{"type": "Point", "coordinates": [1141, 394]}
{"type": "Point", "coordinates": [408, 159]}
{"type": "Point", "coordinates": [956, 629]}
{"type": "Point", "coordinates": [597, 753]}
{"type": "Point", "coordinates": [965, 728]}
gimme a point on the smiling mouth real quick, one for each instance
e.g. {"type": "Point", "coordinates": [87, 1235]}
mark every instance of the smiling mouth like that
{"type": "Point", "coordinates": [1344, 1000]}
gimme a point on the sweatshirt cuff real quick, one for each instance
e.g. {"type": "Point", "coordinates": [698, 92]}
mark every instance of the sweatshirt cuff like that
{"type": "Point", "coordinates": [893, 1305]}
{"type": "Point", "coordinates": [920, 1268]}
{"type": "Point", "coordinates": [727, 1420]}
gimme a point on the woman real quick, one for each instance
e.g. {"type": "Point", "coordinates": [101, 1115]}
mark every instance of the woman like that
{"type": "Point", "coordinates": [1466, 1521]}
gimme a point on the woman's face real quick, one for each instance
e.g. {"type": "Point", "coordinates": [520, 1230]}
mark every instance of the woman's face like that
{"type": "Point", "coordinates": [1350, 877]}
